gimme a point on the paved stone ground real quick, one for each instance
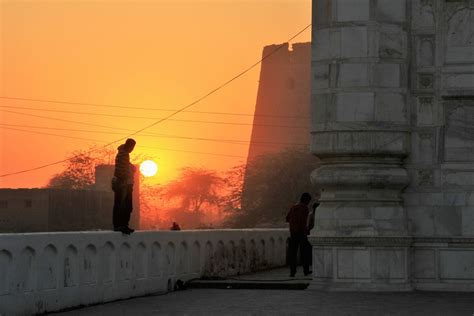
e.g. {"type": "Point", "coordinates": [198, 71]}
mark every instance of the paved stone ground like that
{"type": "Point", "coordinates": [287, 302]}
{"type": "Point", "coordinates": [279, 275]}
{"type": "Point", "coordinates": [272, 279]}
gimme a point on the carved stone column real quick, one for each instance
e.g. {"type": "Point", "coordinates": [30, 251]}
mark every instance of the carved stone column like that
{"type": "Point", "coordinates": [360, 131]}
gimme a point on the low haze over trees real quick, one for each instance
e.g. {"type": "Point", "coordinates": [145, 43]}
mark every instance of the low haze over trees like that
{"type": "Point", "coordinates": [271, 184]}
{"type": "Point", "coordinates": [196, 194]}
{"type": "Point", "coordinates": [257, 194]}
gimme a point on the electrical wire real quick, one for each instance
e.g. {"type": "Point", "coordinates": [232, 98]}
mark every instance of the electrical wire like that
{"type": "Point", "coordinates": [146, 108]}
{"type": "Point", "coordinates": [102, 141]}
{"type": "Point", "coordinates": [113, 127]}
{"type": "Point", "coordinates": [147, 117]}
{"type": "Point", "coordinates": [213, 91]}
{"type": "Point", "coordinates": [231, 141]}
{"type": "Point", "coordinates": [66, 121]}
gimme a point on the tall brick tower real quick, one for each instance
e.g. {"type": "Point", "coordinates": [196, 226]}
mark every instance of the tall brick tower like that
{"type": "Point", "coordinates": [283, 98]}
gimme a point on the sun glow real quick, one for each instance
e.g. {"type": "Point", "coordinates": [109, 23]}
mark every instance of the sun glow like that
{"type": "Point", "coordinates": [148, 168]}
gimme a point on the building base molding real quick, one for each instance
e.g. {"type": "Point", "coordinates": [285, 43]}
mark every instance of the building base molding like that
{"type": "Point", "coordinates": [359, 287]}
{"type": "Point", "coordinates": [392, 263]}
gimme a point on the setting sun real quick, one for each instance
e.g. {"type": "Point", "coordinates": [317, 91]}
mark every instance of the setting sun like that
{"type": "Point", "coordinates": [148, 168]}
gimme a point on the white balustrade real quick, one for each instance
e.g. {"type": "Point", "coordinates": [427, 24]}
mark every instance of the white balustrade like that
{"type": "Point", "coordinates": [44, 272]}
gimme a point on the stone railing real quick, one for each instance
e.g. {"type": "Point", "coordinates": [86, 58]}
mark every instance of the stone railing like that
{"type": "Point", "coordinates": [42, 272]}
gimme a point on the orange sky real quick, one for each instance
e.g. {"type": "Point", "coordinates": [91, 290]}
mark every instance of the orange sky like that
{"type": "Point", "coordinates": [160, 54]}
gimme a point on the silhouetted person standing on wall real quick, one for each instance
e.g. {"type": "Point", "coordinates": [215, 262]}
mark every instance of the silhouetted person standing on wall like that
{"type": "Point", "coordinates": [175, 226]}
{"type": "Point", "coordinates": [122, 185]}
{"type": "Point", "coordinates": [298, 219]}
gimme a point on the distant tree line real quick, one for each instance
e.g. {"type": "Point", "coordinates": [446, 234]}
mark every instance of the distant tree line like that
{"type": "Point", "coordinates": [269, 185]}
{"type": "Point", "coordinates": [257, 194]}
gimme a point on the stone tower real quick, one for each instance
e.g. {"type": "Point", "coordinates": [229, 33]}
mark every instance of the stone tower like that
{"type": "Point", "coordinates": [283, 98]}
{"type": "Point", "coordinates": [392, 120]}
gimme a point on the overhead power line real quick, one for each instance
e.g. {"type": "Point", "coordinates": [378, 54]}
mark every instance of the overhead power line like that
{"type": "Point", "coordinates": [147, 117]}
{"type": "Point", "coordinates": [66, 121]}
{"type": "Point", "coordinates": [155, 135]}
{"type": "Point", "coordinates": [50, 134]}
{"type": "Point", "coordinates": [184, 108]}
{"type": "Point", "coordinates": [150, 134]}
{"type": "Point", "coordinates": [92, 124]}
{"type": "Point", "coordinates": [101, 141]}
{"type": "Point", "coordinates": [147, 108]}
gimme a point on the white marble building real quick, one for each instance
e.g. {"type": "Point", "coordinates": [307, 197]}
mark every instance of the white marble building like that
{"type": "Point", "coordinates": [393, 125]}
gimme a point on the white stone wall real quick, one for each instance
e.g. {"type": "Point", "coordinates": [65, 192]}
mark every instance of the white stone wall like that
{"type": "Point", "coordinates": [440, 198]}
{"type": "Point", "coordinates": [394, 79]}
{"type": "Point", "coordinates": [42, 272]}
{"type": "Point", "coordinates": [445, 264]}
{"type": "Point", "coordinates": [361, 264]}
{"type": "Point", "coordinates": [408, 263]}
{"type": "Point", "coordinates": [360, 116]}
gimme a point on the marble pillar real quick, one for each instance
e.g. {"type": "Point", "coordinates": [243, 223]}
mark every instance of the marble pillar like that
{"type": "Point", "coordinates": [361, 134]}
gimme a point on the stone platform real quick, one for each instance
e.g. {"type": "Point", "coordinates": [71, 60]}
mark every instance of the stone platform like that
{"type": "Point", "coordinates": [269, 280]}
{"type": "Point", "coordinates": [287, 302]}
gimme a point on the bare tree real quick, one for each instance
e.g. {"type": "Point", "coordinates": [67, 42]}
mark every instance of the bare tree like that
{"type": "Point", "coordinates": [151, 204]}
{"type": "Point", "coordinates": [195, 192]}
{"type": "Point", "coordinates": [194, 188]}
{"type": "Point", "coordinates": [79, 170]}
{"type": "Point", "coordinates": [268, 186]}
{"type": "Point", "coordinates": [233, 181]}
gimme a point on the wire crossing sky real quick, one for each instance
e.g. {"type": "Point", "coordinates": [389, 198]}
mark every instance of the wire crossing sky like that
{"type": "Point", "coordinates": [168, 117]}
{"type": "Point", "coordinates": [135, 58]}
{"type": "Point", "coordinates": [146, 108]}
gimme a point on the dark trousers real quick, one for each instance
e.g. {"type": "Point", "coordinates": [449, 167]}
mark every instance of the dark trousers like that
{"type": "Point", "coordinates": [123, 205]}
{"type": "Point", "coordinates": [299, 241]}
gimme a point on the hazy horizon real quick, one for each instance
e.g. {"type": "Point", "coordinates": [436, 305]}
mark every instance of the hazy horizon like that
{"type": "Point", "coordinates": [155, 54]}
